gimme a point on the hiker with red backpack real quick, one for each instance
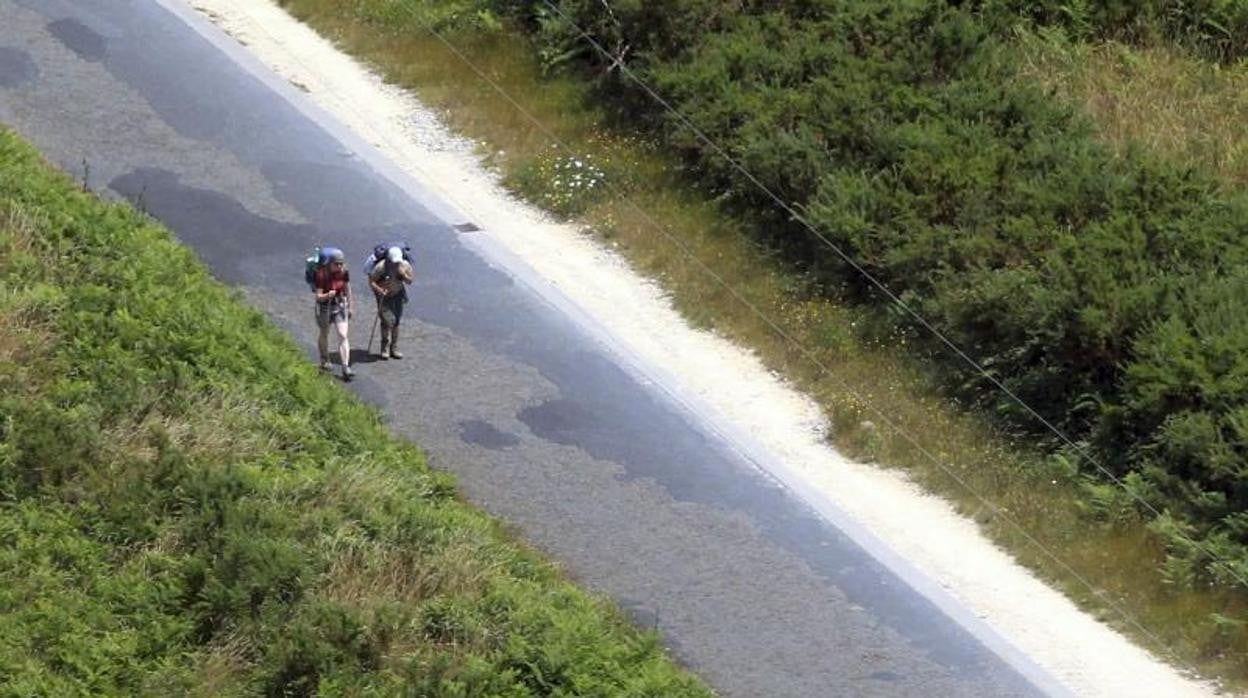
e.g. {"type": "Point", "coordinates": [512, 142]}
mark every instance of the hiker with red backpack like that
{"type": "Point", "coordinates": [389, 278]}
{"type": "Point", "coordinates": [335, 305]}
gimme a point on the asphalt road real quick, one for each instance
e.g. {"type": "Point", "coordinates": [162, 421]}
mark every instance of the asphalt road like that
{"type": "Point", "coordinates": [544, 420]}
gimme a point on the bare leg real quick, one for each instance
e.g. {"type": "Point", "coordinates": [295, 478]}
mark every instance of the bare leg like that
{"type": "Point", "coordinates": [344, 347]}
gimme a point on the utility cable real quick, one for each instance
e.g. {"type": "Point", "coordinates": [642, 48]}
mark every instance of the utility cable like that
{"type": "Point", "coordinates": [769, 322]}
{"type": "Point", "coordinates": [998, 511]}
{"type": "Point", "coordinates": [1082, 452]}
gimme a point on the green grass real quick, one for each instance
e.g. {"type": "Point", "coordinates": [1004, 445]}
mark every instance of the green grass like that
{"type": "Point", "coordinates": [1106, 558]}
{"type": "Point", "coordinates": [187, 507]}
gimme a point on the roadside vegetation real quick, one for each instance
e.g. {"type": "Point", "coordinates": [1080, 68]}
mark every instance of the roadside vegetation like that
{"type": "Point", "coordinates": [188, 508]}
{"type": "Point", "coordinates": [1091, 260]}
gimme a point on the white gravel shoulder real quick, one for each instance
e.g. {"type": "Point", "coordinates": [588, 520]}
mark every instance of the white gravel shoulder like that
{"type": "Point", "coordinates": [1084, 654]}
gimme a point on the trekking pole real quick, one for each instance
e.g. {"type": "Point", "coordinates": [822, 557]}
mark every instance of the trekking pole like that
{"type": "Point", "coordinates": [373, 332]}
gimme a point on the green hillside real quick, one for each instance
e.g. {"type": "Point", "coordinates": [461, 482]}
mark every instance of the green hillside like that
{"type": "Point", "coordinates": [188, 508]}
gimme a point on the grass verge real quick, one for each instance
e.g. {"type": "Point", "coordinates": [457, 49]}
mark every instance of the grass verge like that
{"type": "Point", "coordinates": [1092, 545]}
{"type": "Point", "coordinates": [188, 508]}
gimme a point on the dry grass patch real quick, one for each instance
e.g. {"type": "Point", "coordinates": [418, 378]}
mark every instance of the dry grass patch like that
{"type": "Point", "coordinates": [366, 573]}
{"type": "Point", "coordinates": [221, 665]}
{"type": "Point", "coordinates": [213, 426]}
{"type": "Point", "coordinates": [26, 330]}
{"type": "Point", "coordinates": [24, 336]}
{"type": "Point", "coordinates": [1155, 97]}
{"type": "Point", "coordinates": [360, 482]}
{"type": "Point", "coordinates": [381, 575]}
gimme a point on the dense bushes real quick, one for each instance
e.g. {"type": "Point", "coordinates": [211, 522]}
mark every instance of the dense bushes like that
{"type": "Point", "coordinates": [188, 508]}
{"type": "Point", "coordinates": [1097, 286]}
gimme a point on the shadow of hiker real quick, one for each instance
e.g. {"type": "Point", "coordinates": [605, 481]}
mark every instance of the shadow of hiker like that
{"type": "Point", "coordinates": [362, 356]}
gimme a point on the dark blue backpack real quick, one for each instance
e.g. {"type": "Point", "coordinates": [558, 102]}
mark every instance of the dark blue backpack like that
{"type": "Point", "coordinates": [320, 257]}
{"type": "Point", "coordinates": [379, 253]}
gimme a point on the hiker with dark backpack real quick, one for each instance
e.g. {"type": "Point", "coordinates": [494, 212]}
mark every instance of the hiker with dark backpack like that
{"type": "Point", "coordinates": [378, 253]}
{"type": "Point", "coordinates": [389, 278]}
{"type": "Point", "coordinates": [335, 305]}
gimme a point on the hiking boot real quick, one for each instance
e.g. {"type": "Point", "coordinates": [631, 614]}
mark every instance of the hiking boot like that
{"type": "Point", "coordinates": [394, 343]}
{"type": "Point", "coordinates": [324, 364]}
{"type": "Point", "coordinates": [385, 352]}
{"type": "Point", "coordinates": [347, 373]}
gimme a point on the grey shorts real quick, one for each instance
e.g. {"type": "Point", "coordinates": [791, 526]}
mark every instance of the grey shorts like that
{"type": "Point", "coordinates": [330, 313]}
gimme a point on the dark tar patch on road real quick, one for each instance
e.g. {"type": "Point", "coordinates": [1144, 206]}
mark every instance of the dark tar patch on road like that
{"type": "Point", "coordinates": [80, 39]}
{"type": "Point", "coordinates": [486, 435]}
{"type": "Point", "coordinates": [199, 216]}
